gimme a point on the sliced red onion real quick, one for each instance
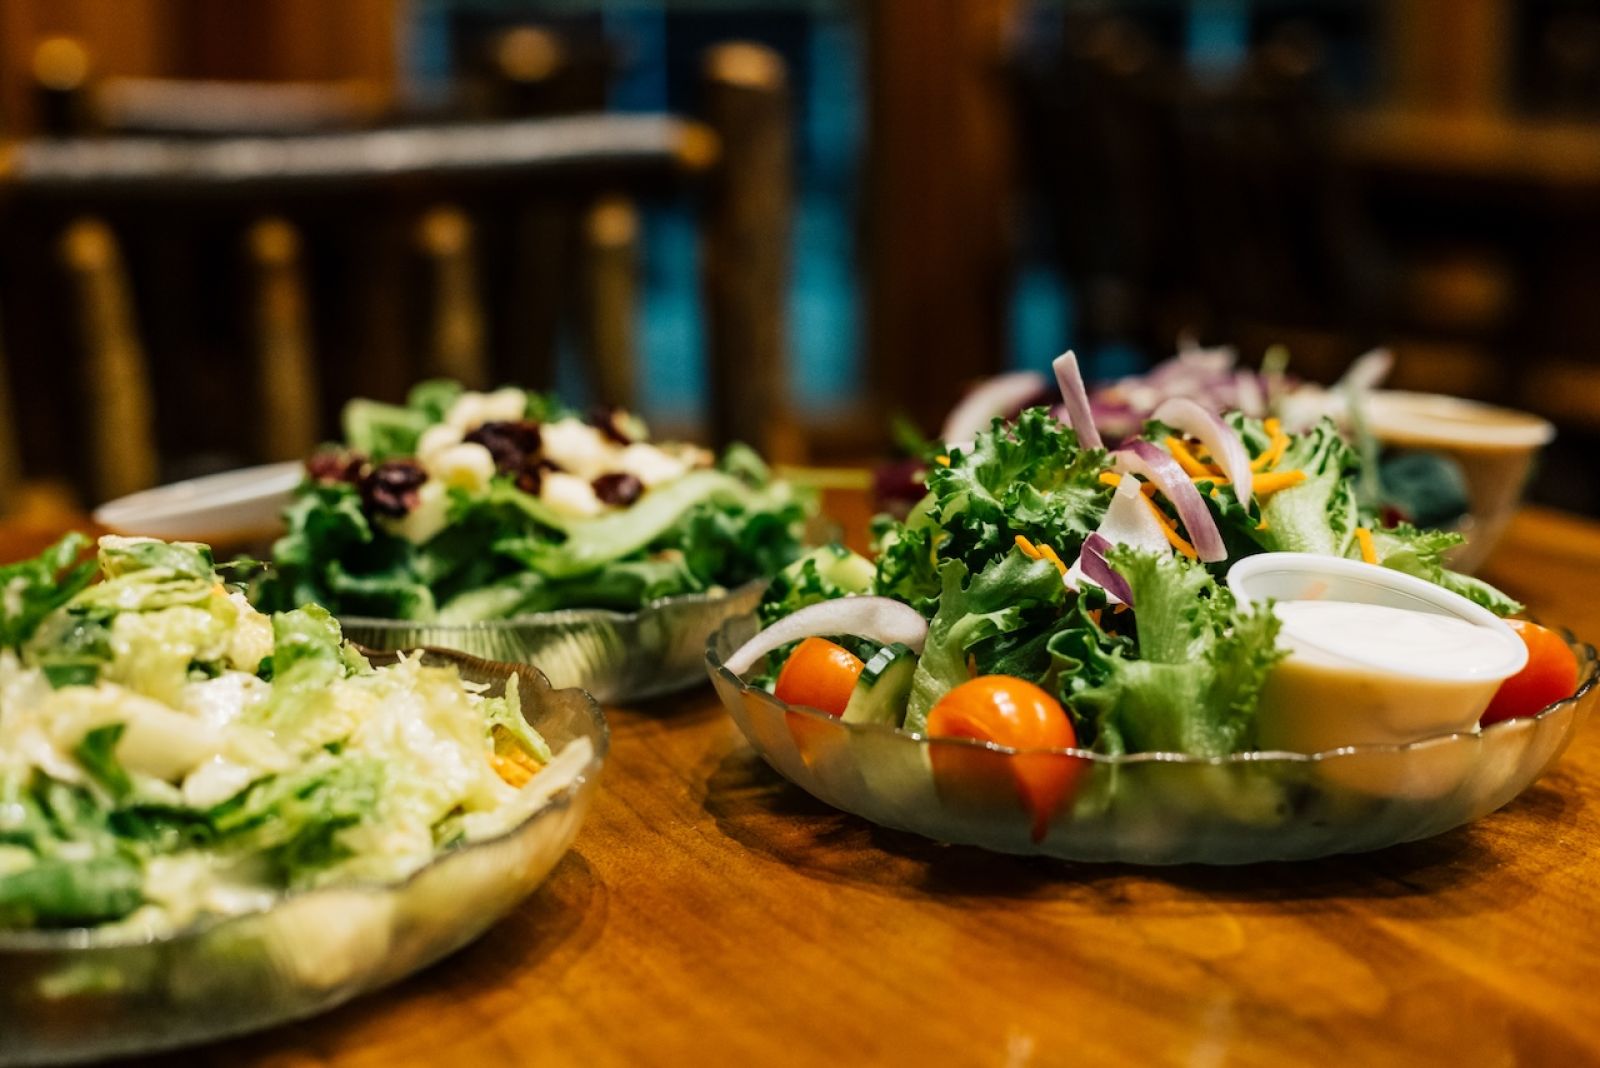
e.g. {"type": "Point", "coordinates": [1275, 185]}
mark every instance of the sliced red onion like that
{"type": "Point", "coordinates": [996, 398]}
{"type": "Point", "coordinates": [1367, 372]}
{"type": "Point", "coordinates": [1102, 574]}
{"type": "Point", "coordinates": [1211, 363]}
{"type": "Point", "coordinates": [1070, 378]}
{"type": "Point", "coordinates": [1142, 458]}
{"type": "Point", "coordinates": [1128, 521]}
{"type": "Point", "coordinates": [882, 619]}
{"type": "Point", "coordinates": [1249, 393]}
{"type": "Point", "coordinates": [1211, 430]}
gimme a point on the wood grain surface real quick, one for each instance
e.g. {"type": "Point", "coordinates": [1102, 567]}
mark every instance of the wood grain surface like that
{"type": "Point", "coordinates": [711, 914]}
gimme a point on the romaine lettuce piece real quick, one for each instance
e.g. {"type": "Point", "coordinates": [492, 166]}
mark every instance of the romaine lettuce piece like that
{"type": "Point", "coordinates": [32, 589]}
{"type": "Point", "coordinates": [1320, 514]}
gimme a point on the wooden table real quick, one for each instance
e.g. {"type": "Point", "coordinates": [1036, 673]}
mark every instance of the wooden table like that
{"type": "Point", "coordinates": [710, 914]}
{"type": "Point", "coordinates": [1550, 155]}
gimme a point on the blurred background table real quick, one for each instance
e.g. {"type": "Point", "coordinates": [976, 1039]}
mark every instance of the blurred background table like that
{"type": "Point", "coordinates": [712, 914]}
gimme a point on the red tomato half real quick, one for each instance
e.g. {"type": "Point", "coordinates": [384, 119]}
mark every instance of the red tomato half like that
{"type": "Point", "coordinates": [818, 674]}
{"type": "Point", "coordinates": [1551, 674]}
{"type": "Point", "coordinates": [1014, 713]}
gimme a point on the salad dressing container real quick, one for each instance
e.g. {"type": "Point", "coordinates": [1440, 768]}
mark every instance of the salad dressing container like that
{"type": "Point", "coordinates": [1375, 657]}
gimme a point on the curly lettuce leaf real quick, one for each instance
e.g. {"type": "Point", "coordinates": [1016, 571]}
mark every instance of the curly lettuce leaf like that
{"type": "Point", "coordinates": [325, 526]}
{"type": "Point", "coordinates": [1007, 596]}
{"type": "Point", "coordinates": [1421, 553]}
{"type": "Point", "coordinates": [908, 560]}
{"type": "Point", "coordinates": [1029, 477]}
{"type": "Point", "coordinates": [1192, 682]}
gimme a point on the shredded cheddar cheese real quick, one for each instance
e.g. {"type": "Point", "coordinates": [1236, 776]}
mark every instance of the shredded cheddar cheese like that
{"type": "Point", "coordinates": [1111, 478]}
{"type": "Point", "coordinates": [1050, 555]}
{"type": "Point", "coordinates": [1273, 481]}
{"type": "Point", "coordinates": [1186, 459]}
{"type": "Point", "coordinates": [1275, 448]}
{"type": "Point", "coordinates": [1173, 537]}
{"type": "Point", "coordinates": [1369, 552]}
{"type": "Point", "coordinates": [942, 461]}
{"type": "Point", "coordinates": [1027, 547]}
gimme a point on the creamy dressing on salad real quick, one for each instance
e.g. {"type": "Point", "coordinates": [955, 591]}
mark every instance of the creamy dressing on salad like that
{"type": "Point", "coordinates": [387, 764]}
{"type": "Point", "coordinates": [1393, 639]}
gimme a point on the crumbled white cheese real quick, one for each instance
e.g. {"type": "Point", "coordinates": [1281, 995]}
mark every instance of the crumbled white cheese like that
{"type": "Point", "coordinates": [651, 465]}
{"type": "Point", "coordinates": [472, 410]}
{"type": "Point", "coordinates": [467, 466]}
{"type": "Point", "coordinates": [435, 440]}
{"type": "Point", "coordinates": [569, 494]}
{"type": "Point", "coordinates": [577, 447]}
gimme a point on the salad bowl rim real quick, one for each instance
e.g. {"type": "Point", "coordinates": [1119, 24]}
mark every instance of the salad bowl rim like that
{"type": "Point", "coordinates": [1589, 678]}
{"type": "Point", "coordinates": [597, 731]}
{"type": "Point", "coordinates": [555, 616]}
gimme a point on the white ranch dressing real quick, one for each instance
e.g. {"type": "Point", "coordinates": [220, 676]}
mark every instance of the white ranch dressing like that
{"type": "Point", "coordinates": [1383, 637]}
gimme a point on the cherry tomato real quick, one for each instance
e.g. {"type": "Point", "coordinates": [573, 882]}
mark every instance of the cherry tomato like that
{"type": "Point", "coordinates": [1014, 713]}
{"type": "Point", "coordinates": [819, 674]}
{"type": "Point", "coordinates": [1551, 674]}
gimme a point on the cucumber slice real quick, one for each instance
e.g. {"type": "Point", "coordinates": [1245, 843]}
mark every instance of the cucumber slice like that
{"type": "Point", "coordinates": [883, 687]}
{"type": "Point", "coordinates": [382, 430]}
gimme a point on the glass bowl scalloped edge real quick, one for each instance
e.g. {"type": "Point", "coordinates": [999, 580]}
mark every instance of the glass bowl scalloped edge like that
{"type": "Point", "coordinates": [1154, 808]}
{"type": "Point", "coordinates": [616, 656]}
{"type": "Point", "coordinates": [75, 995]}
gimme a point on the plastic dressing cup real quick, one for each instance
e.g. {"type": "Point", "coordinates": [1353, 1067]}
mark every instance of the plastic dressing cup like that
{"type": "Point", "coordinates": [1495, 448]}
{"type": "Point", "coordinates": [1375, 657]}
{"type": "Point", "coordinates": [229, 507]}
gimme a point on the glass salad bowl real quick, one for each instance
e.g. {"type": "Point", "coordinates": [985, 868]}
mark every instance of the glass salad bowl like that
{"type": "Point", "coordinates": [1152, 808]}
{"type": "Point", "coordinates": [78, 994]}
{"type": "Point", "coordinates": [616, 656]}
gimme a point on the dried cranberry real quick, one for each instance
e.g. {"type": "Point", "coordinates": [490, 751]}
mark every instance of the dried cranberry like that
{"type": "Point", "coordinates": [335, 465]}
{"type": "Point", "coordinates": [509, 443]}
{"type": "Point", "coordinates": [614, 423]}
{"type": "Point", "coordinates": [531, 476]}
{"type": "Point", "coordinates": [390, 488]}
{"type": "Point", "coordinates": [1392, 515]}
{"type": "Point", "coordinates": [618, 488]}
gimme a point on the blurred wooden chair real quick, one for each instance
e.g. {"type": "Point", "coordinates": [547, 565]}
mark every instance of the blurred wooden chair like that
{"type": "Point", "coordinates": [406, 299]}
{"type": "Point", "coordinates": [1099, 113]}
{"type": "Point", "coordinates": [75, 100]}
